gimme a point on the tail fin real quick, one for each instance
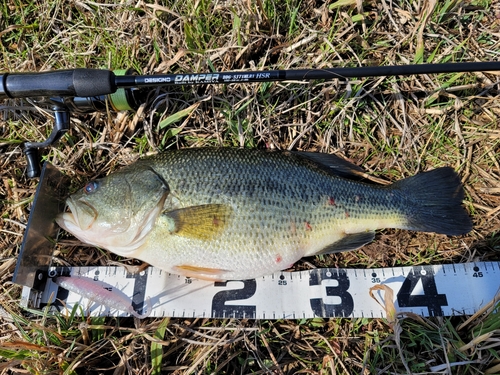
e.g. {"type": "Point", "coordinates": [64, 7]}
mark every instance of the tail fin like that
{"type": "Point", "coordinates": [435, 202]}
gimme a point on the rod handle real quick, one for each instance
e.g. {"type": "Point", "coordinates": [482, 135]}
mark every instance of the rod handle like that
{"type": "Point", "coordinates": [71, 82]}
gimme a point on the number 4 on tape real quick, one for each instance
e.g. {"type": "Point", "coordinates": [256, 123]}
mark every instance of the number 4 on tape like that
{"type": "Point", "coordinates": [430, 298]}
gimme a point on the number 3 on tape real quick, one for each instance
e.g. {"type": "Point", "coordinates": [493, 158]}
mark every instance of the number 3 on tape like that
{"type": "Point", "coordinates": [346, 304]}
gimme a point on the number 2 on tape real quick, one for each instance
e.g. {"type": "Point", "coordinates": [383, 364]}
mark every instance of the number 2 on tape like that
{"type": "Point", "coordinates": [219, 307]}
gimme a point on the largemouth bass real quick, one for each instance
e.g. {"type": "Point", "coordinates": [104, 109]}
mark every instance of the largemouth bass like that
{"type": "Point", "coordinates": [221, 213]}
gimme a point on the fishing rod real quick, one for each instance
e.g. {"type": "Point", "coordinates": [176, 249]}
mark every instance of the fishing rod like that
{"type": "Point", "coordinates": [88, 90]}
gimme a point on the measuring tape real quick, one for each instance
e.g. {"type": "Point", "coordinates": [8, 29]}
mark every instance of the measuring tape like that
{"type": "Point", "coordinates": [439, 290]}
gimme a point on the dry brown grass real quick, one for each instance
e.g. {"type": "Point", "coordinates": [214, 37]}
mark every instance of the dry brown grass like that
{"type": "Point", "coordinates": [392, 126]}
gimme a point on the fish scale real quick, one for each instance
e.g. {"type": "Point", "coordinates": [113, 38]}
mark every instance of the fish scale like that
{"type": "Point", "coordinates": [222, 213]}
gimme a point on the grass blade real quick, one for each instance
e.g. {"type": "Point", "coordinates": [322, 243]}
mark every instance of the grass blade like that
{"type": "Point", "coordinates": [157, 348]}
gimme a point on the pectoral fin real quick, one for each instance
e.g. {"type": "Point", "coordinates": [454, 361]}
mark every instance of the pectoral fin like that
{"type": "Point", "coordinates": [349, 242]}
{"type": "Point", "coordinates": [201, 273]}
{"type": "Point", "coordinates": [203, 222]}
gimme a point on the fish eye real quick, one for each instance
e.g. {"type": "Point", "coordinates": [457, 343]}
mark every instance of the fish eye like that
{"type": "Point", "coordinates": [90, 187]}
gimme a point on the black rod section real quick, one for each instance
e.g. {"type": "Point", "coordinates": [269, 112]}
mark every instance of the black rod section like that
{"type": "Point", "coordinates": [96, 82]}
{"type": "Point", "coordinates": [301, 74]}
{"type": "Point", "coordinates": [65, 83]}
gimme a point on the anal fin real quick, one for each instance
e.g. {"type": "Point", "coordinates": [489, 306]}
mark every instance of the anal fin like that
{"type": "Point", "coordinates": [348, 242]}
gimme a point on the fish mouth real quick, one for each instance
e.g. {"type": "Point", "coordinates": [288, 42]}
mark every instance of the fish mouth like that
{"type": "Point", "coordinates": [81, 215]}
{"type": "Point", "coordinates": [122, 238]}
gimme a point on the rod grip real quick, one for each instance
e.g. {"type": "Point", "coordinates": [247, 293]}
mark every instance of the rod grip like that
{"type": "Point", "coordinates": [71, 82]}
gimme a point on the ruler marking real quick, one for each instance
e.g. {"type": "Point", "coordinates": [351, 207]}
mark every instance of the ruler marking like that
{"type": "Point", "coordinates": [139, 293]}
{"type": "Point", "coordinates": [451, 289]}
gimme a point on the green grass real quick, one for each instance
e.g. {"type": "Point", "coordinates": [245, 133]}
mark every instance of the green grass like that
{"type": "Point", "coordinates": [394, 127]}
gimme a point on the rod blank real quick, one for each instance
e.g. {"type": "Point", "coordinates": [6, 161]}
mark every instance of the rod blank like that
{"type": "Point", "coordinates": [301, 74]}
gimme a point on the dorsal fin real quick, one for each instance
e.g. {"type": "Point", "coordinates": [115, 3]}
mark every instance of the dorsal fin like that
{"type": "Point", "coordinates": [334, 164]}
